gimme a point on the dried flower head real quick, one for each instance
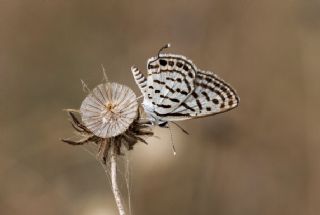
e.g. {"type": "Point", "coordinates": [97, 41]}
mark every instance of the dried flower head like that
{"type": "Point", "coordinates": [109, 109]}
{"type": "Point", "coordinates": [110, 115]}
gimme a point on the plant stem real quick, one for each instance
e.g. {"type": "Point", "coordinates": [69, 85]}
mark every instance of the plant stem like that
{"type": "Point", "coordinates": [114, 183]}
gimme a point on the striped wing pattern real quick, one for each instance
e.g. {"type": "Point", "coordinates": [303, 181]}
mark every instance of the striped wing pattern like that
{"type": "Point", "coordinates": [139, 78]}
{"type": "Point", "coordinates": [210, 96]}
{"type": "Point", "coordinates": [176, 90]}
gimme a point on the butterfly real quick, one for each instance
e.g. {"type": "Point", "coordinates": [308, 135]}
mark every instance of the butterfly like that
{"type": "Point", "coordinates": [175, 89]}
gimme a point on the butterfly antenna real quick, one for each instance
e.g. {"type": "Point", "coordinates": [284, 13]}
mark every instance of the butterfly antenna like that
{"type": "Point", "coordinates": [182, 129]}
{"type": "Point", "coordinates": [168, 45]}
{"type": "Point", "coordinates": [172, 144]}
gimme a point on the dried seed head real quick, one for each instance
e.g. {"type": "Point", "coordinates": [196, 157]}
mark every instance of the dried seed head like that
{"type": "Point", "coordinates": [109, 109]}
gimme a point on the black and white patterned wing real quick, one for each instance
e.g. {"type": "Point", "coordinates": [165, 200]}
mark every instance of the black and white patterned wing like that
{"type": "Point", "coordinates": [170, 81]}
{"type": "Point", "coordinates": [210, 96]}
{"type": "Point", "coordinates": [140, 80]}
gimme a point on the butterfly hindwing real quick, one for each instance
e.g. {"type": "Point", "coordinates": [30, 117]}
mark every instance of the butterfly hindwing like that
{"type": "Point", "coordinates": [170, 81]}
{"type": "Point", "coordinates": [139, 78]}
{"type": "Point", "coordinates": [210, 96]}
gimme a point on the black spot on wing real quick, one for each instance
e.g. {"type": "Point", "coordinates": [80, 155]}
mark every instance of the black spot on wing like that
{"type": "Point", "coordinates": [174, 100]}
{"type": "Point", "coordinates": [208, 79]}
{"type": "Point", "coordinates": [194, 94]}
{"type": "Point", "coordinates": [170, 89]}
{"type": "Point", "coordinates": [150, 66]}
{"type": "Point", "coordinates": [215, 101]}
{"type": "Point", "coordinates": [199, 104]}
{"type": "Point", "coordinates": [184, 92]}
{"type": "Point", "coordinates": [159, 82]}
{"type": "Point", "coordinates": [163, 106]}
{"type": "Point", "coordinates": [223, 88]}
{"type": "Point", "coordinates": [205, 94]}
{"type": "Point", "coordinates": [229, 95]}
{"type": "Point", "coordinates": [163, 62]}
{"type": "Point", "coordinates": [216, 84]}
{"type": "Point", "coordinates": [219, 94]}
{"type": "Point", "coordinates": [172, 114]}
{"type": "Point", "coordinates": [187, 107]}
{"type": "Point", "coordinates": [171, 99]}
{"type": "Point", "coordinates": [188, 85]}
{"type": "Point", "coordinates": [186, 68]}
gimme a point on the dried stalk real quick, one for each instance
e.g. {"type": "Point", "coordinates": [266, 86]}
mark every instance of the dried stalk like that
{"type": "Point", "coordinates": [114, 183]}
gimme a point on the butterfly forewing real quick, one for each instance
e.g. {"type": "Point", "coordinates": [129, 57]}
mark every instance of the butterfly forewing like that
{"type": "Point", "coordinates": [170, 82]}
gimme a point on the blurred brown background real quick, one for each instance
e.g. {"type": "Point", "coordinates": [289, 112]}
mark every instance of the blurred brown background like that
{"type": "Point", "coordinates": [261, 158]}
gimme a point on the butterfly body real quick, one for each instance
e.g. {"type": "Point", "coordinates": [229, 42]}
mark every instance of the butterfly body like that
{"type": "Point", "coordinates": [175, 89]}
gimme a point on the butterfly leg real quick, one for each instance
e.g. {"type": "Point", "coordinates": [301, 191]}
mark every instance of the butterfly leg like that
{"type": "Point", "coordinates": [163, 124]}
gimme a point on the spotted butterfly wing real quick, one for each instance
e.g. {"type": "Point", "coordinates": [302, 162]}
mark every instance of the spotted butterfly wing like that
{"type": "Point", "coordinates": [176, 90]}
{"type": "Point", "coordinates": [170, 82]}
{"type": "Point", "coordinates": [210, 96]}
